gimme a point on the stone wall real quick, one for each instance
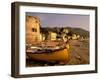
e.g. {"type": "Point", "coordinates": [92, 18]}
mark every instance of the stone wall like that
{"type": "Point", "coordinates": [32, 29]}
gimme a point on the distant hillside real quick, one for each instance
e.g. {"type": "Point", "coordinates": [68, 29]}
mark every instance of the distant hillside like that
{"type": "Point", "coordinates": [79, 31]}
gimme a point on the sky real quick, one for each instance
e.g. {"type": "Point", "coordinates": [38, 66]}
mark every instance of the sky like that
{"type": "Point", "coordinates": [62, 20]}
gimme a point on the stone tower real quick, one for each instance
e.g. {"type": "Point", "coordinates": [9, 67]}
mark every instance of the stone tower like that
{"type": "Point", "coordinates": [32, 29]}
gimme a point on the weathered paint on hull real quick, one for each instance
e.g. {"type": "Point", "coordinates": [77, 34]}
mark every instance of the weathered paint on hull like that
{"type": "Point", "coordinates": [57, 56]}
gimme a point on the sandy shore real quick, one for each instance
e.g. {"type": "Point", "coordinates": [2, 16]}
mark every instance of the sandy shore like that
{"type": "Point", "coordinates": [79, 52]}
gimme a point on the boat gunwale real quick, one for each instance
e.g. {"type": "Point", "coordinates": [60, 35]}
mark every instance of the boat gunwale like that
{"type": "Point", "coordinates": [46, 52]}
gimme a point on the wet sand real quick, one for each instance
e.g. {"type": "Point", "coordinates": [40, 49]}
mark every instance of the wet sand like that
{"type": "Point", "coordinates": [79, 52]}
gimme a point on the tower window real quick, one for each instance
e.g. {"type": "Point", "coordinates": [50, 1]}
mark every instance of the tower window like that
{"type": "Point", "coordinates": [34, 30]}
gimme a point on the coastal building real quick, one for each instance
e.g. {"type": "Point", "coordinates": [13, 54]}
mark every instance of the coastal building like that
{"type": "Point", "coordinates": [32, 29]}
{"type": "Point", "coordinates": [42, 37]}
{"type": "Point", "coordinates": [52, 36]}
{"type": "Point", "coordinates": [66, 31]}
{"type": "Point", "coordinates": [74, 36]}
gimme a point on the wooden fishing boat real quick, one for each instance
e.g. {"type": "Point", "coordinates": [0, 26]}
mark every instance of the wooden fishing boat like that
{"type": "Point", "coordinates": [57, 54]}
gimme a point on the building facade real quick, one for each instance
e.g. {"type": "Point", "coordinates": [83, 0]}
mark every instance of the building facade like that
{"type": "Point", "coordinates": [32, 29]}
{"type": "Point", "coordinates": [52, 36]}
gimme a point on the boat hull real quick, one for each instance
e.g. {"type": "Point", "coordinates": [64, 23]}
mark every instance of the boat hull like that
{"type": "Point", "coordinates": [61, 56]}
